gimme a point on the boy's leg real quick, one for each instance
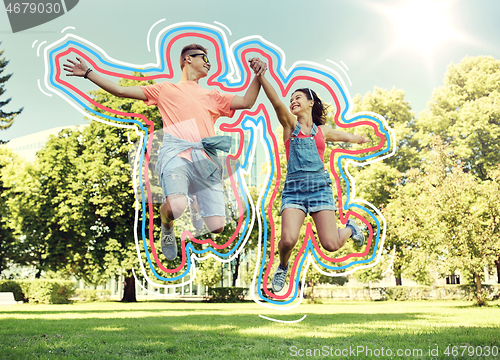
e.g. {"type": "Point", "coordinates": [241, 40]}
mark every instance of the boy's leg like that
{"type": "Point", "coordinates": [175, 183]}
{"type": "Point", "coordinates": [215, 223]}
{"type": "Point", "coordinates": [212, 205]}
{"type": "Point", "coordinates": [173, 207]}
{"type": "Point", "coordinates": [194, 211]}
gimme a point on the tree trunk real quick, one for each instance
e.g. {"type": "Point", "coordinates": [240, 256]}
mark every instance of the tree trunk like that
{"type": "Point", "coordinates": [40, 265]}
{"type": "Point", "coordinates": [310, 285]}
{"type": "Point", "coordinates": [1, 259]}
{"type": "Point", "coordinates": [497, 263]}
{"type": "Point", "coordinates": [397, 275]}
{"type": "Point", "coordinates": [236, 269]}
{"type": "Point", "coordinates": [479, 296]}
{"type": "Point", "coordinates": [129, 290]}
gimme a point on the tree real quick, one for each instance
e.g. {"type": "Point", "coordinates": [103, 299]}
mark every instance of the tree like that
{"type": "Point", "coordinates": [6, 118]}
{"type": "Point", "coordinates": [447, 213]}
{"type": "Point", "coordinates": [8, 248]}
{"type": "Point", "coordinates": [465, 113]}
{"type": "Point", "coordinates": [106, 177]}
{"type": "Point", "coordinates": [119, 259]}
{"type": "Point", "coordinates": [43, 198]}
{"type": "Point", "coordinates": [373, 182]}
{"type": "Point", "coordinates": [372, 274]}
{"type": "Point", "coordinates": [210, 272]}
{"type": "Point", "coordinates": [81, 203]}
{"type": "Point", "coordinates": [113, 200]}
{"type": "Point", "coordinates": [406, 215]}
{"type": "Point", "coordinates": [468, 221]}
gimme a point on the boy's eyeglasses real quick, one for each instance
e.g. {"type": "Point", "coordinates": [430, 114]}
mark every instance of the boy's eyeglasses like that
{"type": "Point", "coordinates": [205, 57]}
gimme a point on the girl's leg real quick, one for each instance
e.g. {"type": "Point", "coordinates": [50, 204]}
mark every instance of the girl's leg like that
{"type": "Point", "coordinates": [291, 222]}
{"type": "Point", "coordinates": [330, 236]}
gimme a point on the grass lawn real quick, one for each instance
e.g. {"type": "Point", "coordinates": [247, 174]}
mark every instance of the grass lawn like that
{"type": "Point", "coordinates": [180, 330]}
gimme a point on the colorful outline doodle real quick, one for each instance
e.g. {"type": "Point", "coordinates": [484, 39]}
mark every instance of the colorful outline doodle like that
{"type": "Point", "coordinates": [233, 75]}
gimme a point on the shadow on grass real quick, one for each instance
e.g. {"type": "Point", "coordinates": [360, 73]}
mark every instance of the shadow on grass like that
{"type": "Point", "coordinates": [474, 306]}
{"type": "Point", "coordinates": [311, 317]}
{"type": "Point", "coordinates": [97, 311]}
{"type": "Point", "coordinates": [202, 306]}
{"type": "Point", "coordinates": [238, 336]}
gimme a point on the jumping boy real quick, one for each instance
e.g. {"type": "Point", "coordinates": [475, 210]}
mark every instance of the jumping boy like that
{"type": "Point", "coordinates": [187, 162]}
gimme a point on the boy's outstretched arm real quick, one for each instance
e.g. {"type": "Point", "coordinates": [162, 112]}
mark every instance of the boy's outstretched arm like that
{"type": "Point", "coordinates": [81, 69]}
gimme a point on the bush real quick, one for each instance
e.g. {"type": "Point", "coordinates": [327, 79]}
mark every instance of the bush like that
{"type": "Point", "coordinates": [88, 295]}
{"type": "Point", "coordinates": [444, 292]}
{"type": "Point", "coordinates": [48, 291]}
{"type": "Point", "coordinates": [226, 295]}
{"type": "Point", "coordinates": [481, 299]}
{"type": "Point", "coordinates": [488, 292]}
{"type": "Point", "coordinates": [13, 287]}
{"type": "Point", "coordinates": [402, 293]}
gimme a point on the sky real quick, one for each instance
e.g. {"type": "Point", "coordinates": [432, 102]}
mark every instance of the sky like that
{"type": "Point", "coordinates": [406, 44]}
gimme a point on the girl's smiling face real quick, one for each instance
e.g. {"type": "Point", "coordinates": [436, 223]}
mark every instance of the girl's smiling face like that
{"type": "Point", "coordinates": [299, 102]}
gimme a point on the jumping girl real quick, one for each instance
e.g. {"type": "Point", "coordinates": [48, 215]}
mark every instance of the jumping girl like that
{"type": "Point", "coordinates": [308, 187]}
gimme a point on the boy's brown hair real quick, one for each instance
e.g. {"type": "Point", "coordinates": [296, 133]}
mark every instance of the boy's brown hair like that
{"type": "Point", "coordinates": [190, 49]}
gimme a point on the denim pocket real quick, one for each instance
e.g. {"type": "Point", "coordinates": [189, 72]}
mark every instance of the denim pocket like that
{"type": "Point", "coordinates": [304, 155]}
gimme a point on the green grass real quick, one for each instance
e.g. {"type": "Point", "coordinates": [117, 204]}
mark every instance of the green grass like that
{"type": "Point", "coordinates": [175, 330]}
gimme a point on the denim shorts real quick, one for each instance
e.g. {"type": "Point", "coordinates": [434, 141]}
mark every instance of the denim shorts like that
{"type": "Point", "coordinates": [309, 192]}
{"type": "Point", "coordinates": [180, 177]}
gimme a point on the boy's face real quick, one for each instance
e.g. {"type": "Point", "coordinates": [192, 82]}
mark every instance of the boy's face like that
{"type": "Point", "coordinates": [200, 62]}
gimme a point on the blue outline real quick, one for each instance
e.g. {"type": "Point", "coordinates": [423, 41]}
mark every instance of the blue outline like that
{"type": "Point", "coordinates": [222, 79]}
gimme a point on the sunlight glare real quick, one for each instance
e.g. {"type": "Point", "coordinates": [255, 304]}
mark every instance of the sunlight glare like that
{"type": "Point", "coordinates": [421, 26]}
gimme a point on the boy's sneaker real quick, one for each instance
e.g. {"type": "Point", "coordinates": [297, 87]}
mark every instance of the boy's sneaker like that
{"type": "Point", "coordinates": [279, 278]}
{"type": "Point", "coordinates": [196, 218]}
{"type": "Point", "coordinates": [168, 243]}
{"type": "Point", "coordinates": [357, 234]}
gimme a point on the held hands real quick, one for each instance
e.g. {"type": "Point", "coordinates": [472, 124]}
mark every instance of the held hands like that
{"type": "Point", "coordinates": [76, 69]}
{"type": "Point", "coordinates": [258, 66]}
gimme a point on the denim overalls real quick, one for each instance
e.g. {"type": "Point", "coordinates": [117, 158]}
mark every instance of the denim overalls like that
{"type": "Point", "coordinates": [308, 186]}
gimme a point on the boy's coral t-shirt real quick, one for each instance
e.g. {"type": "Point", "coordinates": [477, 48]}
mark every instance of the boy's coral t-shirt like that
{"type": "Point", "coordinates": [188, 111]}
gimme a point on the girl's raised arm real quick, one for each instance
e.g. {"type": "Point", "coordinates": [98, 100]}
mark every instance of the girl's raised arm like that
{"type": "Point", "coordinates": [285, 117]}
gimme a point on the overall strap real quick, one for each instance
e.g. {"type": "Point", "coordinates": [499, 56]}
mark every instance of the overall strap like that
{"type": "Point", "coordinates": [297, 130]}
{"type": "Point", "coordinates": [314, 130]}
